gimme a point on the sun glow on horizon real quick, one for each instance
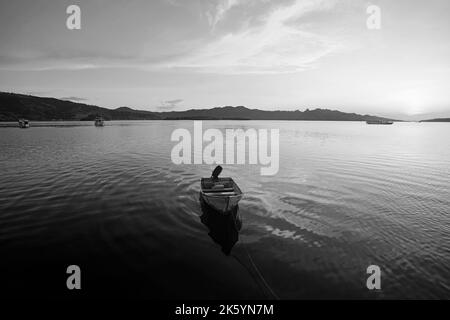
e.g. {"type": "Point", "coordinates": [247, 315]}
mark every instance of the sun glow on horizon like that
{"type": "Point", "coordinates": [413, 101]}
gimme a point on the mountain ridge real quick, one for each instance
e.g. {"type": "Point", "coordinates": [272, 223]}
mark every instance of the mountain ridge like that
{"type": "Point", "coordinates": [14, 106]}
{"type": "Point", "coordinates": [436, 120]}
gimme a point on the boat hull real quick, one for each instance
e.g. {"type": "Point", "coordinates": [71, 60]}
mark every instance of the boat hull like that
{"type": "Point", "coordinates": [24, 124]}
{"type": "Point", "coordinates": [383, 122]}
{"type": "Point", "coordinates": [220, 194]}
{"type": "Point", "coordinates": [222, 204]}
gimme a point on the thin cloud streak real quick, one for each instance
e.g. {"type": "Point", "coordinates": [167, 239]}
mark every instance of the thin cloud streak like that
{"type": "Point", "coordinates": [78, 99]}
{"type": "Point", "coordinates": [220, 10]}
{"type": "Point", "coordinates": [169, 104]}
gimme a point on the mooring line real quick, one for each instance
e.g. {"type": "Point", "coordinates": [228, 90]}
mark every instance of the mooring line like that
{"type": "Point", "coordinates": [261, 277]}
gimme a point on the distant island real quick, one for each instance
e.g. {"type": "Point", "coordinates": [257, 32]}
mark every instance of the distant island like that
{"type": "Point", "coordinates": [437, 120]}
{"type": "Point", "coordinates": [15, 106]}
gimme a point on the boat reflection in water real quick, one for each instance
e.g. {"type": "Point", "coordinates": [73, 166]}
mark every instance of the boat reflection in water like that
{"type": "Point", "coordinates": [223, 229]}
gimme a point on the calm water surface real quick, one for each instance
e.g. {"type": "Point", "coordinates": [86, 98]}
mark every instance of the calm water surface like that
{"type": "Point", "coordinates": [109, 199]}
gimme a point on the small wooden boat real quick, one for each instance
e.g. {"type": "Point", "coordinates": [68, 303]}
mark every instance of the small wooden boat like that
{"type": "Point", "coordinates": [379, 122]}
{"type": "Point", "coordinates": [23, 123]}
{"type": "Point", "coordinates": [221, 194]}
{"type": "Point", "coordinates": [223, 228]}
{"type": "Point", "coordinates": [99, 122]}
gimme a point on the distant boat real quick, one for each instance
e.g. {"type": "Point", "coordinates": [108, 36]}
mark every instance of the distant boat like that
{"type": "Point", "coordinates": [23, 123]}
{"type": "Point", "coordinates": [379, 122]}
{"type": "Point", "coordinates": [99, 122]}
{"type": "Point", "coordinates": [221, 194]}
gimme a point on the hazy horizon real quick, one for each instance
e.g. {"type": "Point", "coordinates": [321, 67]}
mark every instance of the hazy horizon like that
{"type": "Point", "coordinates": [170, 55]}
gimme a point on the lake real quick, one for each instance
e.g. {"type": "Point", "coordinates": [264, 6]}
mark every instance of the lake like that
{"type": "Point", "coordinates": [347, 195]}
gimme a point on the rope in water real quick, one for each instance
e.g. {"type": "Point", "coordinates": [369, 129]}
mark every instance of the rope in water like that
{"type": "Point", "coordinates": [274, 296]}
{"type": "Point", "coordinates": [261, 277]}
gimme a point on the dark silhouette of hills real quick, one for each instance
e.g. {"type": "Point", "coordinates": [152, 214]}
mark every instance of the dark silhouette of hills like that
{"type": "Point", "coordinates": [14, 106]}
{"type": "Point", "coordinates": [243, 113]}
{"type": "Point", "coordinates": [437, 120]}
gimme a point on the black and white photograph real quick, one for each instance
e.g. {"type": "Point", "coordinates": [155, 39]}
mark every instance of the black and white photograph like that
{"type": "Point", "coordinates": [202, 151]}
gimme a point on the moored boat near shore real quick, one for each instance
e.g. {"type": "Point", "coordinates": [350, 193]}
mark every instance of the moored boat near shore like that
{"type": "Point", "coordinates": [379, 122]}
{"type": "Point", "coordinates": [99, 122]}
{"type": "Point", "coordinates": [23, 123]}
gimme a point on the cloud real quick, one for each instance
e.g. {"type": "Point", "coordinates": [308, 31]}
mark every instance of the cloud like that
{"type": "Point", "coordinates": [51, 62]}
{"type": "Point", "coordinates": [173, 102]}
{"type": "Point", "coordinates": [73, 98]}
{"type": "Point", "coordinates": [169, 104]}
{"type": "Point", "coordinates": [219, 10]}
{"type": "Point", "coordinates": [46, 62]}
{"type": "Point", "coordinates": [277, 39]}
{"type": "Point", "coordinates": [37, 93]}
{"type": "Point", "coordinates": [278, 45]}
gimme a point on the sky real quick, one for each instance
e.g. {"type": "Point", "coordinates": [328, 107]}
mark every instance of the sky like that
{"type": "Point", "coordinates": [165, 55]}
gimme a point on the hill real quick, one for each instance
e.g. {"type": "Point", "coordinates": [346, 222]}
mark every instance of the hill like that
{"type": "Point", "coordinates": [243, 113]}
{"type": "Point", "coordinates": [14, 106]}
{"type": "Point", "coordinates": [437, 120]}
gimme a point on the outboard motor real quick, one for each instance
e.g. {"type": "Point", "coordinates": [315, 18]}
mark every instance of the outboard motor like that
{"type": "Point", "coordinates": [215, 174]}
